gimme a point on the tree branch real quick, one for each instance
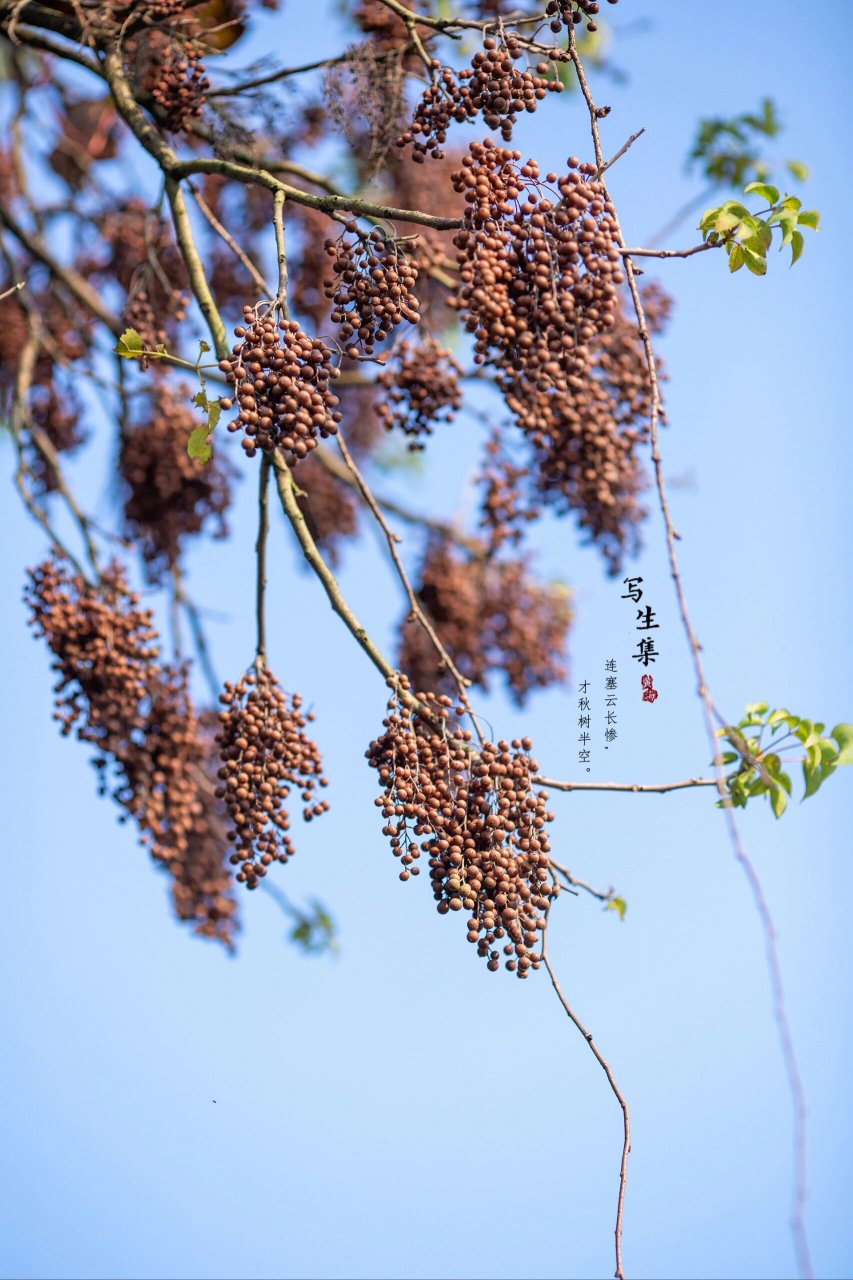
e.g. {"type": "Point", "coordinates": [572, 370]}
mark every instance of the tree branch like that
{"type": "Point", "coordinates": [659, 788]}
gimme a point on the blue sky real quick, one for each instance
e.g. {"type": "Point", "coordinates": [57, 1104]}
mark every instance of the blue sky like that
{"type": "Point", "coordinates": [398, 1111]}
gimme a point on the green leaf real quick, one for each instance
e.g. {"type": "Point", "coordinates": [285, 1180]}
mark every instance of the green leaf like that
{"type": "Point", "coordinates": [798, 170]}
{"type": "Point", "coordinates": [708, 219]}
{"type": "Point", "coordinates": [843, 735]}
{"type": "Point", "coordinates": [727, 221]}
{"type": "Point", "coordinates": [797, 245]}
{"type": "Point", "coordinates": [762, 234]}
{"type": "Point", "coordinates": [736, 257]}
{"type": "Point", "coordinates": [736, 208]}
{"type": "Point", "coordinates": [129, 345]}
{"type": "Point", "coordinates": [755, 261]}
{"type": "Point", "coordinates": [756, 708]}
{"type": "Point", "coordinates": [619, 905]}
{"type": "Point", "coordinates": [778, 801]}
{"type": "Point", "coordinates": [813, 778]}
{"type": "Point", "coordinates": [198, 444]}
{"type": "Point", "coordinates": [763, 189]}
{"type": "Point", "coordinates": [809, 218]}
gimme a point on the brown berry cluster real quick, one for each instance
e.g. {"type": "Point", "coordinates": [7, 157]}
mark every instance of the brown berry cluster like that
{"type": "Point", "coordinates": [163, 57]}
{"type": "Point", "coordinates": [202, 880]}
{"type": "Point", "coordinates": [170, 496]}
{"type": "Point", "coordinates": [388, 33]}
{"type": "Point", "coordinates": [540, 292]}
{"type": "Point", "coordinates": [55, 412]}
{"type": "Point", "coordinates": [281, 378]}
{"type": "Point", "coordinates": [585, 438]}
{"type": "Point", "coordinates": [492, 86]}
{"type": "Point", "coordinates": [504, 507]}
{"type": "Point", "coordinates": [422, 388]}
{"type": "Point", "coordinates": [479, 821]}
{"type": "Point", "coordinates": [565, 13]}
{"type": "Point", "coordinates": [264, 752]}
{"type": "Point", "coordinates": [539, 276]}
{"type": "Point", "coordinates": [179, 82]}
{"type": "Point", "coordinates": [372, 292]}
{"type": "Point", "coordinates": [490, 616]}
{"type": "Point", "coordinates": [136, 713]}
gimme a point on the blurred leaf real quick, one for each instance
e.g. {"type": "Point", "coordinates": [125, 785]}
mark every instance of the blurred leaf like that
{"type": "Point", "coordinates": [809, 218]}
{"type": "Point", "coordinates": [797, 170]}
{"type": "Point", "coordinates": [843, 735]}
{"type": "Point", "coordinates": [619, 905]}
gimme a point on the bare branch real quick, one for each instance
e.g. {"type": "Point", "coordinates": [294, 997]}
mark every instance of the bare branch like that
{"type": "Point", "coordinates": [658, 788]}
{"type": "Point", "coordinates": [261, 555]}
{"type": "Point", "coordinates": [620, 153]}
{"type": "Point", "coordinates": [225, 235]}
{"type": "Point", "coordinates": [626, 1119]}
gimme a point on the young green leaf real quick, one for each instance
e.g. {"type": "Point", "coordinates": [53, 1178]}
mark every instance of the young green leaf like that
{"type": "Point", "coordinates": [619, 905]}
{"type": "Point", "coordinates": [755, 261]}
{"type": "Point", "coordinates": [778, 801]}
{"type": "Point", "coordinates": [129, 345]}
{"type": "Point", "coordinates": [763, 189]}
{"type": "Point", "coordinates": [736, 257]}
{"type": "Point", "coordinates": [809, 218]}
{"type": "Point", "coordinates": [198, 445]}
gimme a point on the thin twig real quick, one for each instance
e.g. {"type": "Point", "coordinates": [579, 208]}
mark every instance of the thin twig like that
{"type": "Point", "coordinates": [603, 895]}
{"type": "Point", "coordinates": [259, 82]}
{"type": "Point", "coordinates": [620, 153]}
{"type": "Point", "coordinates": [261, 556]}
{"type": "Point", "coordinates": [626, 1119]}
{"type": "Point", "coordinates": [659, 788]}
{"type": "Point", "coordinates": [225, 235]}
{"type": "Point", "coordinates": [671, 253]}
{"type": "Point", "coordinates": [392, 539]}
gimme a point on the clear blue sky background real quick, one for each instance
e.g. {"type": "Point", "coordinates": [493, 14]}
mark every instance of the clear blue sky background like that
{"type": "Point", "coordinates": [399, 1111]}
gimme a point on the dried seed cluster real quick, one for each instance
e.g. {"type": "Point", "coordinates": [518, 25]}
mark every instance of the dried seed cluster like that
{"type": "Point", "coordinates": [179, 82]}
{"type": "Point", "coordinates": [163, 56]}
{"type": "Point", "coordinates": [372, 292]}
{"type": "Point", "coordinates": [479, 821]}
{"type": "Point", "coordinates": [136, 713]}
{"type": "Point", "coordinates": [422, 388]}
{"type": "Point", "coordinates": [540, 292]}
{"type": "Point", "coordinates": [170, 496]}
{"type": "Point", "coordinates": [264, 752]}
{"type": "Point", "coordinates": [490, 616]}
{"type": "Point", "coordinates": [281, 378]}
{"type": "Point", "coordinates": [566, 13]}
{"type": "Point", "coordinates": [539, 276]}
{"type": "Point", "coordinates": [492, 86]}
{"type": "Point", "coordinates": [504, 507]}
